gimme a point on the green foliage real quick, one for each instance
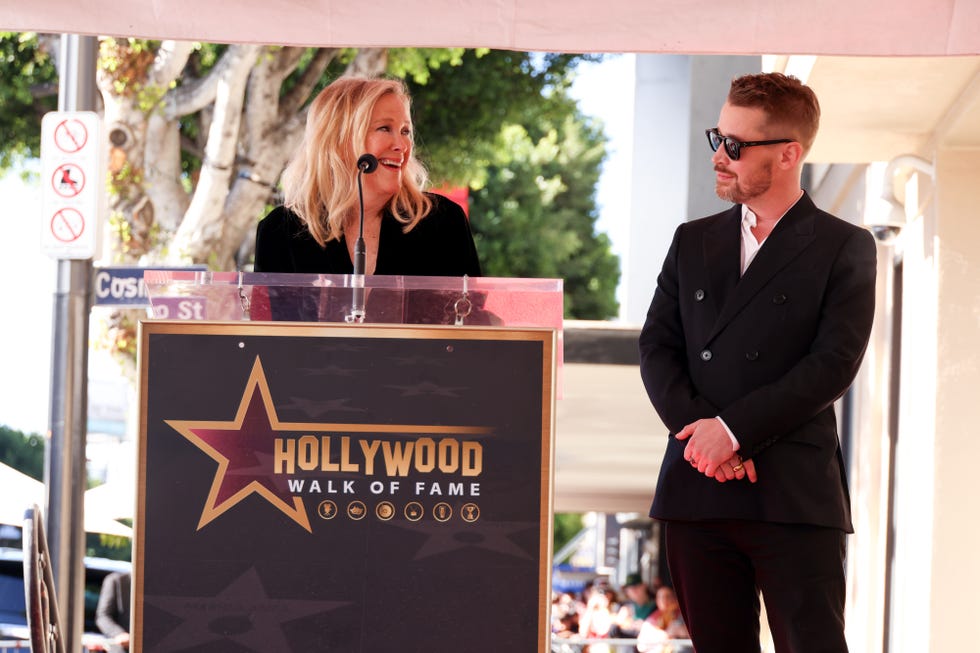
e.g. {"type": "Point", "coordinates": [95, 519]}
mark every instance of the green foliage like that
{"type": "Point", "coordinates": [22, 451]}
{"type": "Point", "coordinates": [29, 90]}
{"type": "Point", "coordinates": [566, 526]}
{"type": "Point", "coordinates": [114, 547]}
{"type": "Point", "coordinates": [502, 124]}
{"type": "Point", "coordinates": [535, 217]}
{"type": "Point", "coordinates": [418, 63]}
{"type": "Point", "coordinates": [460, 110]}
{"type": "Point", "coordinates": [120, 227]}
{"type": "Point", "coordinates": [125, 182]}
{"type": "Point", "coordinates": [206, 55]}
{"type": "Point", "coordinates": [127, 61]}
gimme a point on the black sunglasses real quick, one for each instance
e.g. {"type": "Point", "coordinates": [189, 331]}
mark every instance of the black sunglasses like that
{"type": "Point", "coordinates": [733, 148]}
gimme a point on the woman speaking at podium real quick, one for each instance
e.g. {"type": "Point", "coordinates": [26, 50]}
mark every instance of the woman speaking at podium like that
{"type": "Point", "coordinates": [405, 231]}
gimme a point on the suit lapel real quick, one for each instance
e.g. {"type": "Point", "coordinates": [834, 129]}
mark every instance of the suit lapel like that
{"type": "Point", "coordinates": [723, 255]}
{"type": "Point", "coordinates": [792, 234]}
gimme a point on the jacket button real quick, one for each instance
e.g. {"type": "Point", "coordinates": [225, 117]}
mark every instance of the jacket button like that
{"type": "Point", "coordinates": [751, 355]}
{"type": "Point", "coordinates": [706, 355]}
{"type": "Point", "coordinates": [698, 295]}
{"type": "Point", "coordinates": [779, 299]}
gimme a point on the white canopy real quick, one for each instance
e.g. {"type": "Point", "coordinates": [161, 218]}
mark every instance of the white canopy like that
{"type": "Point", "coordinates": [869, 27]}
{"type": "Point", "coordinates": [20, 492]}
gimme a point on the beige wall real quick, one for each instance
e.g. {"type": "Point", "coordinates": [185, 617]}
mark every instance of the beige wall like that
{"type": "Point", "coordinates": [936, 571]}
{"type": "Point", "coordinates": [914, 498]}
{"type": "Point", "coordinates": [853, 192]}
{"type": "Point", "coordinates": [928, 598]}
{"type": "Point", "coordinates": [955, 582]}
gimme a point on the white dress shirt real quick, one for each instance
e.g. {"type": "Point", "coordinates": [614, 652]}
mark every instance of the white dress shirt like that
{"type": "Point", "coordinates": [750, 247]}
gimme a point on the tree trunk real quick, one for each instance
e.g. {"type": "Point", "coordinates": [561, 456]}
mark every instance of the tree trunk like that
{"type": "Point", "coordinates": [144, 163]}
{"type": "Point", "coordinates": [200, 235]}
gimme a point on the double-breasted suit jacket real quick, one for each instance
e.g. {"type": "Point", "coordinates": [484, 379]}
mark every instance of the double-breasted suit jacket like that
{"type": "Point", "coordinates": [769, 353]}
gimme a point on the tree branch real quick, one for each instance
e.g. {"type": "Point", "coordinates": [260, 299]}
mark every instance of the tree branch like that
{"type": "Point", "coordinates": [189, 98]}
{"type": "Point", "coordinates": [291, 102]}
{"type": "Point", "coordinates": [262, 93]}
{"type": "Point", "coordinates": [170, 60]}
{"type": "Point", "coordinates": [285, 61]}
{"type": "Point", "coordinates": [201, 231]}
{"type": "Point", "coordinates": [368, 62]}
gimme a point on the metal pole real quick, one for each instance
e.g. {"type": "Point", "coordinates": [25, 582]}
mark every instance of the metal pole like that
{"type": "Point", "coordinates": [64, 462]}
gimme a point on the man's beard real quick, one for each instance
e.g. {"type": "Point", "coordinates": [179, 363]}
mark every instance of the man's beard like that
{"type": "Point", "coordinates": [739, 191]}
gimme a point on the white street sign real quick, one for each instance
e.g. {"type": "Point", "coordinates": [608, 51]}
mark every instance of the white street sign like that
{"type": "Point", "coordinates": [71, 188]}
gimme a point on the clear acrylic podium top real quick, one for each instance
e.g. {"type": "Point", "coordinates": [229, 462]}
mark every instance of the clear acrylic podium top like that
{"type": "Point", "coordinates": [469, 301]}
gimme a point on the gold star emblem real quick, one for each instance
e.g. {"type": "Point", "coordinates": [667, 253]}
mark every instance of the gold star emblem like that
{"type": "Point", "coordinates": [240, 447]}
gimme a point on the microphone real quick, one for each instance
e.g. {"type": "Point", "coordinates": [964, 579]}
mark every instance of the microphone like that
{"type": "Point", "coordinates": [366, 164]}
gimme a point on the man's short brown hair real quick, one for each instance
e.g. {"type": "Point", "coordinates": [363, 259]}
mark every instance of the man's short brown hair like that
{"type": "Point", "coordinates": [791, 107]}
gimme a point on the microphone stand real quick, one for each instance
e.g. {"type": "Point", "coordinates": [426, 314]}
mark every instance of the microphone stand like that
{"type": "Point", "coordinates": [368, 163]}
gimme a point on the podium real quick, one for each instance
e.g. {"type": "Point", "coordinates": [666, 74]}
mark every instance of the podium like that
{"type": "Point", "coordinates": [308, 482]}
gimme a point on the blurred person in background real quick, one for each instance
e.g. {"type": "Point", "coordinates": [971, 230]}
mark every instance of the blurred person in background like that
{"type": "Point", "coordinates": [638, 606]}
{"type": "Point", "coordinates": [662, 625]}
{"type": "Point", "coordinates": [599, 619]}
{"type": "Point", "coordinates": [112, 615]}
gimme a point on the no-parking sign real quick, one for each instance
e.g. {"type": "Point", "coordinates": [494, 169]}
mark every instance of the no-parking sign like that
{"type": "Point", "coordinates": [71, 167]}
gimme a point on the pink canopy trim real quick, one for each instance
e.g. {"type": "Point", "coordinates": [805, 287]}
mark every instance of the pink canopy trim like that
{"type": "Point", "coordinates": [825, 27]}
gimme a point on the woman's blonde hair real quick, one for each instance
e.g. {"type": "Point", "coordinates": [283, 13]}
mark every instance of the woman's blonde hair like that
{"type": "Point", "coordinates": [320, 182]}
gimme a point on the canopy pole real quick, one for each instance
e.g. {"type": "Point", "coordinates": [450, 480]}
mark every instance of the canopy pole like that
{"type": "Point", "coordinates": [64, 460]}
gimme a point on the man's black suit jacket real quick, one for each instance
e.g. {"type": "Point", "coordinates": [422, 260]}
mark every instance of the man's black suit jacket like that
{"type": "Point", "coordinates": [769, 352]}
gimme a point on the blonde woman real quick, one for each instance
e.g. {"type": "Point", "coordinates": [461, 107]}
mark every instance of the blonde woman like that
{"type": "Point", "coordinates": [406, 230]}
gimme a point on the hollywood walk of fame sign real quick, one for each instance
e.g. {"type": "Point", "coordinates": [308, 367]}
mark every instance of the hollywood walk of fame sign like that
{"type": "Point", "coordinates": [343, 488]}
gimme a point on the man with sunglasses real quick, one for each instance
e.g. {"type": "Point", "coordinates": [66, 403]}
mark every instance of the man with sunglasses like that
{"type": "Point", "coordinates": [758, 324]}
